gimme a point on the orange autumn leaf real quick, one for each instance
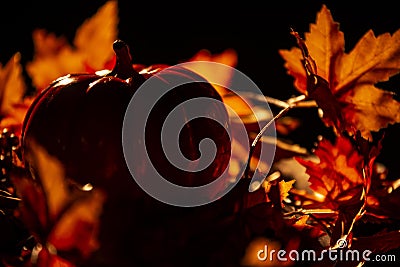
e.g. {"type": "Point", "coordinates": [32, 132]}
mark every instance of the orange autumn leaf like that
{"type": "Point", "coordinates": [12, 85]}
{"type": "Point", "coordinates": [351, 77]}
{"type": "Point", "coordinates": [52, 182]}
{"type": "Point", "coordinates": [79, 226]}
{"type": "Point", "coordinates": [62, 215]}
{"type": "Point", "coordinates": [240, 104]}
{"type": "Point", "coordinates": [92, 46]}
{"type": "Point", "coordinates": [338, 174]}
{"type": "Point", "coordinates": [276, 188]}
{"type": "Point", "coordinates": [285, 187]}
{"type": "Point", "coordinates": [14, 119]}
{"type": "Point", "coordinates": [227, 57]}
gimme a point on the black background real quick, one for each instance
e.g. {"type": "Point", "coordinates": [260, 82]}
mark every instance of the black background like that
{"type": "Point", "coordinates": [170, 32]}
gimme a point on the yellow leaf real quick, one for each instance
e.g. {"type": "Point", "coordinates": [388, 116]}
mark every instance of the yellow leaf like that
{"type": "Point", "coordinates": [284, 188]}
{"type": "Point", "coordinates": [12, 85]}
{"type": "Point", "coordinates": [302, 221]}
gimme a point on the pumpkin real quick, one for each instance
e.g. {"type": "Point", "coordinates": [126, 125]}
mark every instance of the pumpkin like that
{"type": "Point", "coordinates": [79, 118]}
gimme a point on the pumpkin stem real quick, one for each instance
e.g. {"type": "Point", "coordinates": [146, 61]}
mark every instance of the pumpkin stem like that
{"type": "Point", "coordinates": [123, 68]}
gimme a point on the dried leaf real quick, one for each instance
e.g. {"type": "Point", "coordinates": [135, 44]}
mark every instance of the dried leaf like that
{"type": "Point", "coordinates": [92, 47]}
{"type": "Point", "coordinates": [351, 76]}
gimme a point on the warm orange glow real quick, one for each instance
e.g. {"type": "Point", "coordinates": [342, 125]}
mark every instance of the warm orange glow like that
{"type": "Point", "coordinates": [227, 57]}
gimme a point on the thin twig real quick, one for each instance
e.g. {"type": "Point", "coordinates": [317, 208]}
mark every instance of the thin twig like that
{"type": "Point", "coordinates": [276, 117]}
{"type": "Point", "coordinates": [294, 102]}
{"type": "Point", "coordinates": [260, 134]}
{"type": "Point", "coordinates": [276, 102]}
{"type": "Point", "coordinates": [306, 104]}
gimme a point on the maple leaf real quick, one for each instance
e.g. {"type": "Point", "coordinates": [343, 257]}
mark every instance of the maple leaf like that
{"type": "Point", "coordinates": [351, 77]}
{"type": "Point", "coordinates": [341, 177]}
{"type": "Point", "coordinates": [337, 173]}
{"type": "Point", "coordinates": [92, 48]}
{"type": "Point", "coordinates": [62, 215]}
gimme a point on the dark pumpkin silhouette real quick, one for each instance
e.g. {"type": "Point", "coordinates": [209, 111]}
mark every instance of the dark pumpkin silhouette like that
{"type": "Point", "coordinates": [78, 119]}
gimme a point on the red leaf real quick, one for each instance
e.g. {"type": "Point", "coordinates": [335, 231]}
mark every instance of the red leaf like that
{"type": "Point", "coordinates": [338, 172]}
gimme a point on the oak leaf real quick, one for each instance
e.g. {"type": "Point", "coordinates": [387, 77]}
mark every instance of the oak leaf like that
{"type": "Point", "coordinates": [92, 47]}
{"type": "Point", "coordinates": [352, 76]}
